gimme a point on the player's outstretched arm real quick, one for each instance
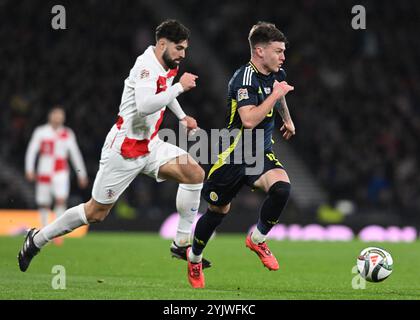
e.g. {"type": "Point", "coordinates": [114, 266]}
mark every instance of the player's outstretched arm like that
{"type": "Point", "coordinates": [30, 156]}
{"type": "Point", "coordinates": [288, 125]}
{"type": "Point", "coordinates": [148, 102]}
{"type": "Point", "coordinates": [175, 107]}
{"type": "Point", "coordinates": [190, 124]}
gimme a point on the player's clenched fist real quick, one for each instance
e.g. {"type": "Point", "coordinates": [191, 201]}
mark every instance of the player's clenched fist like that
{"type": "Point", "coordinates": [190, 124]}
{"type": "Point", "coordinates": [187, 81]}
{"type": "Point", "coordinates": [281, 88]}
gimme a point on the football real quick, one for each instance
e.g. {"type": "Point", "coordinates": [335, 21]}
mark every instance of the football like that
{"type": "Point", "coordinates": [374, 264]}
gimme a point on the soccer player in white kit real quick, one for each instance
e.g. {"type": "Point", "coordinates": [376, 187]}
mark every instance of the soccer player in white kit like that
{"type": "Point", "coordinates": [133, 147]}
{"type": "Point", "coordinates": [53, 143]}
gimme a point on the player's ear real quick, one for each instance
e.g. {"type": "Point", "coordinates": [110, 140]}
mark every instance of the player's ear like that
{"type": "Point", "coordinates": [162, 43]}
{"type": "Point", "coordinates": [259, 51]}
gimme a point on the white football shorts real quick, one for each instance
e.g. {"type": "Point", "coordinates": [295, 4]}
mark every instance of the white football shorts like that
{"type": "Point", "coordinates": [116, 172]}
{"type": "Point", "coordinates": [58, 187]}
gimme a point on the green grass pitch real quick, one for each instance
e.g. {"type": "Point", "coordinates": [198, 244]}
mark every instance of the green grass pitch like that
{"type": "Point", "coordinates": [138, 266]}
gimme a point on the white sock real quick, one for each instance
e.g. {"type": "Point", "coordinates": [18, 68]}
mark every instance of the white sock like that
{"type": "Point", "coordinates": [187, 203]}
{"type": "Point", "coordinates": [59, 210]}
{"type": "Point", "coordinates": [43, 213]}
{"type": "Point", "coordinates": [70, 220]}
{"type": "Point", "coordinates": [257, 237]}
{"type": "Point", "coordinates": [193, 258]}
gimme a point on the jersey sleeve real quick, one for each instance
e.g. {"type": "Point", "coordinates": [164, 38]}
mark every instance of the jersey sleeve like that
{"type": "Point", "coordinates": [175, 107]}
{"type": "Point", "coordinates": [149, 97]}
{"type": "Point", "coordinates": [32, 151]}
{"type": "Point", "coordinates": [144, 76]}
{"type": "Point", "coordinates": [245, 90]}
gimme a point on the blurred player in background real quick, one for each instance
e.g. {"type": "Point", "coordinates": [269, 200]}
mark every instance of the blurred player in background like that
{"type": "Point", "coordinates": [54, 143]}
{"type": "Point", "coordinates": [255, 90]}
{"type": "Point", "coordinates": [133, 147]}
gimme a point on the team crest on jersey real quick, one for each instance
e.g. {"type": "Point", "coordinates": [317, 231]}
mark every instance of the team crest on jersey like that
{"type": "Point", "coordinates": [213, 196]}
{"type": "Point", "coordinates": [267, 90]}
{"type": "Point", "coordinates": [243, 94]}
{"type": "Point", "coordinates": [144, 74]}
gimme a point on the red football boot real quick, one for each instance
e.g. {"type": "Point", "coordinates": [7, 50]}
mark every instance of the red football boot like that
{"type": "Point", "coordinates": [195, 273]}
{"type": "Point", "coordinates": [265, 255]}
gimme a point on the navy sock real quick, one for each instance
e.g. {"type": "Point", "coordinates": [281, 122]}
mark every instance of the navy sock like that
{"type": "Point", "coordinates": [204, 229]}
{"type": "Point", "coordinates": [273, 206]}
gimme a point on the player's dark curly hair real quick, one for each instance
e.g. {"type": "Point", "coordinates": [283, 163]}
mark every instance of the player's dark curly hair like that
{"type": "Point", "coordinates": [265, 32]}
{"type": "Point", "coordinates": [172, 30]}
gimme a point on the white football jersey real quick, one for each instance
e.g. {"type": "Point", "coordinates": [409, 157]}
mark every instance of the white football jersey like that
{"type": "Point", "coordinates": [132, 133]}
{"type": "Point", "coordinates": [54, 148]}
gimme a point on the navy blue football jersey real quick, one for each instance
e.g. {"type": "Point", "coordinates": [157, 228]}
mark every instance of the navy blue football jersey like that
{"type": "Point", "coordinates": [250, 87]}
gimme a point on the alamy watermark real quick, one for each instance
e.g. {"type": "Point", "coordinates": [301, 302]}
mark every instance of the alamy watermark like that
{"type": "Point", "coordinates": [359, 20]}
{"type": "Point", "coordinates": [221, 146]}
{"type": "Point", "coordinates": [58, 22]}
{"type": "Point", "coordinates": [58, 281]}
{"type": "Point", "coordinates": [357, 282]}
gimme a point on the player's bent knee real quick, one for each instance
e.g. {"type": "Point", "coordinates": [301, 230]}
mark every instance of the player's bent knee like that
{"type": "Point", "coordinates": [199, 174]}
{"type": "Point", "coordinates": [195, 174]}
{"type": "Point", "coordinates": [220, 209]}
{"type": "Point", "coordinates": [280, 190]}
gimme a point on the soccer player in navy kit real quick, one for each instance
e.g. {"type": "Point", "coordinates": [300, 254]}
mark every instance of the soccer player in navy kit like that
{"type": "Point", "coordinates": [254, 91]}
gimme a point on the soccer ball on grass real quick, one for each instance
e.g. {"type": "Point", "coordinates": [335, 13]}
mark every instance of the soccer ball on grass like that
{"type": "Point", "coordinates": [374, 264]}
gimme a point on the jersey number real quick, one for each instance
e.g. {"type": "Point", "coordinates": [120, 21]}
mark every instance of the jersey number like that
{"type": "Point", "coordinates": [272, 157]}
